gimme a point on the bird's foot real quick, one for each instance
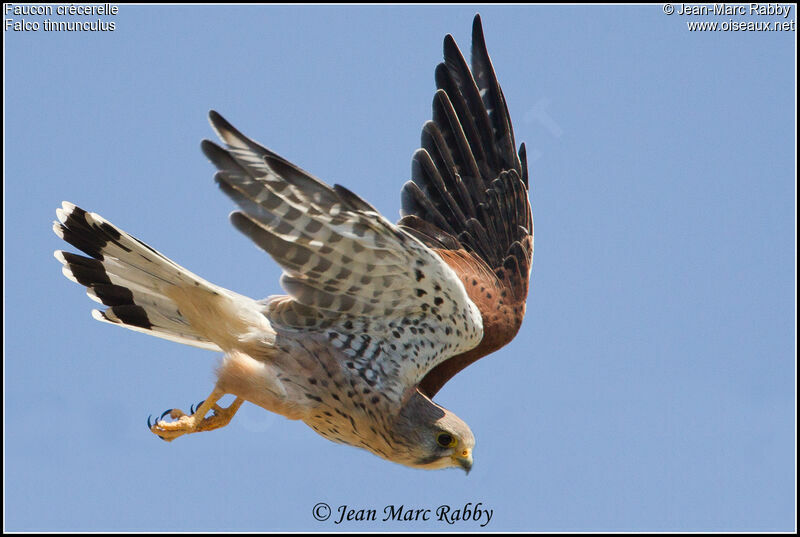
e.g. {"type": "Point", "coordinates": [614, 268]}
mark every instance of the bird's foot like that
{"type": "Point", "coordinates": [197, 421]}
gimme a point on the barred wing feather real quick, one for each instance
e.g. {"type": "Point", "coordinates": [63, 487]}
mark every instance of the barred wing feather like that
{"type": "Point", "coordinates": [374, 291]}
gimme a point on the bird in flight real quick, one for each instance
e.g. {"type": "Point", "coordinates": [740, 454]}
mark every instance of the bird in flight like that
{"type": "Point", "coordinates": [378, 316]}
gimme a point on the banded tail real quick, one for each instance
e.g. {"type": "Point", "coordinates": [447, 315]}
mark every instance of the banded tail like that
{"type": "Point", "coordinates": [128, 276]}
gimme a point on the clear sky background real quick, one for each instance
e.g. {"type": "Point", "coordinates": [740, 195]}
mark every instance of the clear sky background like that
{"type": "Point", "coordinates": [652, 385]}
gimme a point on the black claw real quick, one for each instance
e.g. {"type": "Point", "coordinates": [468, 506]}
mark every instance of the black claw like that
{"type": "Point", "coordinates": [149, 426]}
{"type": "Point", "coordinates": [199, 405]}
{"type": "Point", "coordinates": [161, 437]}
{"type": "Point", "coordinates": [164, 414]}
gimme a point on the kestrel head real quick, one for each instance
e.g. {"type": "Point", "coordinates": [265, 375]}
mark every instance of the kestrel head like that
{"type": "Point", "coordinates": [431, 437]}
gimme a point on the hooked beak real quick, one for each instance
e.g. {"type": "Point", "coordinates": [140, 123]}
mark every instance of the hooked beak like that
{"type": "Point", "coordinates": [464, 459]}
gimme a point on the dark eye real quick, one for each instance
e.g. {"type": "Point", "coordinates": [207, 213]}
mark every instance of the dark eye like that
{"type": "Point", "coordinates": [445, 440]}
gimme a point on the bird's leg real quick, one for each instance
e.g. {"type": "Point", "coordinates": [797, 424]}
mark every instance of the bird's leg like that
{"type": "Point", "coordinates": [196, 422]}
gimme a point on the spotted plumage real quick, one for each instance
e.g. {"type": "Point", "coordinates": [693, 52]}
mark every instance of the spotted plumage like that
{"type": "Point", "coordinates": [377, 316]}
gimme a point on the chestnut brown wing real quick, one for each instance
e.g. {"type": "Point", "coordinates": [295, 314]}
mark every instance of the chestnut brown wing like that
{"type": "Point", "coordinates": [468, 198]}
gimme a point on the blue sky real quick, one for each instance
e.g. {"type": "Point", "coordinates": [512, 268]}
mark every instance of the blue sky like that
{"type": "Point", "coordinates": [651, 386]}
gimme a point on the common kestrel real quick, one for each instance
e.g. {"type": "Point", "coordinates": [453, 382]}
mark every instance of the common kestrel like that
{"type": "Point", "coordinates": [378, 316]}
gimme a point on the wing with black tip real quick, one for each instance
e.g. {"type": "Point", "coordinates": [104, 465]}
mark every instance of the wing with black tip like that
{"type": "Point", "coordinates": [468, 198]}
